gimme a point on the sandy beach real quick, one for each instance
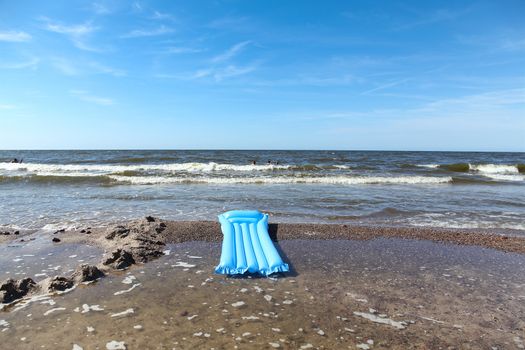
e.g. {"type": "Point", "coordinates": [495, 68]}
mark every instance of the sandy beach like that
{"type": "Point", "coordinates": [150, 284]}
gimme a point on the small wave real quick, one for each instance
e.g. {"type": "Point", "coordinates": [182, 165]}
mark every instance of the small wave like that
{"type": "Point", "coordinates": [456, 167]}
{"type": "Point", "coordinates": [432, 166]}
{"type": "Point", "coordinates": [340, 180]}
{"type": "Point", "coordinates": [109, 169]}
{"type": "Point", "coordinates": [81, 170]}
{"type": "Point", "coordinates": [59, 179]}
{"type": "Point", "coordinates": [313, 167]}
{"type": "Point", "coordinates": [482, 169]}
{"type": "Point", "coordinates": [472, 180]}
{"type": "Point", "coordinates": [506, 177]}
{"type": "Point", "coordinates": [494, 168]}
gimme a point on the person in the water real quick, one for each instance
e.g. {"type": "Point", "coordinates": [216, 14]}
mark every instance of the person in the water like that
{"type": "Point", "coordinates": [15, 160]}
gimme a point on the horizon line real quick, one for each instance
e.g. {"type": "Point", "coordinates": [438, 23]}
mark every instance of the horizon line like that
{"type": "Point", "coordinates": [254, 149]}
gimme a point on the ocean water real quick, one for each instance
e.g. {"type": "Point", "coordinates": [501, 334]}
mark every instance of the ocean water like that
{"type": "Point", "coordinates": [55, 189]}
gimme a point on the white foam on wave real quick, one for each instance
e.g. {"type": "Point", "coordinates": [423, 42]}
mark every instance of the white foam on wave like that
{"type": "Point", "coordinates": [494, 168]}
{"type": "Point", "coordinates": [506, 177]}
{"type": "Point", "coordinates": [339, 180]}
{"type": "Point", "coordinates": [445, 220]}
{"type": "Point", "coordinates": [432, 166]}
{"type": "Point", "coordinates": [99, 169]}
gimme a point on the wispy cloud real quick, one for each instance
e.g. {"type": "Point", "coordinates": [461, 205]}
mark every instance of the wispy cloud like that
{"type": "Point", "coordinates": [221, 73]}
{"type": "Point", "coordinates": [88, 97]}
{"type": "Point", "coordinates": [77, 33]}
{"type": "Point", "coordinates": [232, 71]}
{"type": "Point", "coordinates": [100, 9]}
{"type": "Point", "coordinates": [75, 30]}
{"type": "Point", "coordinates": [73, 68]}
{"type": "Point", "coordinates": [101, 68]}
{"type": "Point", "coordinates": [231, 52]}
{"type": "Point", "coordinates": [138, 33]}
{"type": "Point", "coordinates": [486, 101]}
{"type": "Point", "coordinates": [386, 86]}
{"type": "Point", "coordinates": [494, 43]}
{"type": "Point", "coordinates": [31, 63]}
{"type": "Point", "coordinates": [497, 103]}
{"type": "Point", "coordinates": [14, 36]}
{"type": "Point", "coordinates": [216, 74]}
{"type": "Point", "coordinates": [161, 16]}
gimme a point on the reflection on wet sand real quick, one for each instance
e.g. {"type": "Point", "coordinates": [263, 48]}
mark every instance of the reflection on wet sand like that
{"type": "Point", "coordinates": [383, 293]}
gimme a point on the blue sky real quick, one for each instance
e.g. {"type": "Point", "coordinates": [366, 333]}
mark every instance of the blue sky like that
{"type": "Point", "coordinates": [398, 75]}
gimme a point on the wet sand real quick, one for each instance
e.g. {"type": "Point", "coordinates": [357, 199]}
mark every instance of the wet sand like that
{"type": "Point", "coordinates": [369, 290]}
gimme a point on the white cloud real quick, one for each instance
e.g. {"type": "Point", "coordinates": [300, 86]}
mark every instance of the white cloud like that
{"type": "Point", "coordinates": [72, 30]}
{"type": "Point", "coordinates": [201, 73]}
{"type": "Point", "coordinates": [138, 33]}
{"type": "Point", "coordinates": [13, 36]}
{"type": "Point", "coordinates": [216, 73]}
{"type": "Point", "coordinates": [80, 44]}
{"type": "Point", "coordinates": [101, 68]}
{"type": "Point", "coordinates": [73, 68]}
{"type": "Point", "coordinates": [162, 16]}
{"type": "Point", "coordinates": [7, 106]}
{"type": "Point", "coordinates": [231, 52]}
{"type": "Point", "coordinates": [77, 33]}
{"type": "Point", "coordinates": [222, 73]}
{"type": "Point", "coordinates": [86, 96]}
{"type": "Point", "coordinates": [232, 71]}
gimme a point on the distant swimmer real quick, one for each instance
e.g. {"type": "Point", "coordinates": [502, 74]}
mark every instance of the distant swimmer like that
{"type": "Point", "coordinates": [269, 162]}
{"type": "Point", "coordinates": [15, 160]}
{"type": "Point", "coordinates": [254, 162]}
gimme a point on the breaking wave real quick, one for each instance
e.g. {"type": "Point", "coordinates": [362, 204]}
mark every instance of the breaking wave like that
{"type": "Point", "coordinates": [499, 172]}
{"type": "Point", "coordinates": [108, 169]}
{"type": "Point", "coordinates": [340, 180]}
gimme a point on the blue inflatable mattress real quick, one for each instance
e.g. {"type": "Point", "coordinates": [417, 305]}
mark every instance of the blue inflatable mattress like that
{"type": "Point", "coordinates": [246, 245]}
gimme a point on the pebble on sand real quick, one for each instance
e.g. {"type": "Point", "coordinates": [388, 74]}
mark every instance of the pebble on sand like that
{"type": "Point", "coordinates": [238, 304]}
{"type": "Point", "coordinates": [116, 345]}
{"type": "Point", "coordinates": [123, 313]}
{"type": "Point", "coordinates": [377, 319]}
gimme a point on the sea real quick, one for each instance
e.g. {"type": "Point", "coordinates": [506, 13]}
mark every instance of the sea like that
{"type": "Point", "coordinates": [74, 188]}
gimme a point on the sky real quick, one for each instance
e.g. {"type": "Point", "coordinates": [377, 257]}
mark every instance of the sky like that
{"type": "Point", "coordinates": [369, 75]}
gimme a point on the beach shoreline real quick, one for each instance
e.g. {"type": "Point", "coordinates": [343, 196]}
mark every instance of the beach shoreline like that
{"type": "Point", "coordinates": [372, 286]}
{"type": "Point", "coordinates": [209, 231]}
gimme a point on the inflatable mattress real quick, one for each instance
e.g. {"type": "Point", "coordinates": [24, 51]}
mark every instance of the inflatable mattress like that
{"type": "Point", "coordinates": [246, 245]}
